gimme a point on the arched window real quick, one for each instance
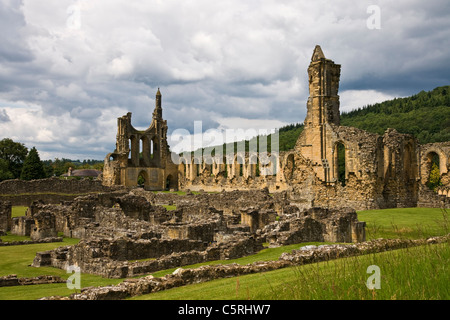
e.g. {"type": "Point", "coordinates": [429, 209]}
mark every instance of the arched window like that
{"type": "Point", "coordinates": [142, 179]}
{"type": "Point", "coordinates": [151, 149]}
{"type": "Point", "coordinates": [340, 163]}
{"type": "Point", "coordinates": [434, 173]}
{"type": "Point", "coordinates": [169, 182]}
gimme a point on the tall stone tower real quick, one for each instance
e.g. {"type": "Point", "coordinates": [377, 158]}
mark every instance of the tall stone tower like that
{"type": "Point", "coordinates": [323, 102]}
{"type": "Point", "coordinates": [322, 113]}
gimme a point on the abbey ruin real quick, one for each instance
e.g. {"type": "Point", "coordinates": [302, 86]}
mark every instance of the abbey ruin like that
{"type": "Point", "coordinates": [242, 202]}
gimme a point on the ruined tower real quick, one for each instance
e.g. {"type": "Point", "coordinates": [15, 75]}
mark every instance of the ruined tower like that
{"type": "Point", "coordinates": [323, 102]}
{"type": "Point", "coordinates": [141, 157]}
{"type": "Point", "coordinates": [322, 113]}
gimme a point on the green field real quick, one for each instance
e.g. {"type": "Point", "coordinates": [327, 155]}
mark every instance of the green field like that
{"type": "Point", "coordinates": [409, 274]}
{"type": "Point", "coordinates": [339, 279]}
{"type": "Point", "coordinates": [405, 223]}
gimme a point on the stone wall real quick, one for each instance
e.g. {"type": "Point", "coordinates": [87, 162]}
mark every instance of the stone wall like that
{"type": "Point", "coordinates": [315, 225]}
{"type": "Point", "coordinates": [12, 280]}
{"type": "Point", "coordinates": [26, 242]}
{"type": "Point", "coordinates": [111, 258]}
{"type": "Point", "coordinates": [44, 226]}
{"type": "Point", "coordinates": [52, 190]}
{"type": "Point", "coordinates": [431, 199]}
{"type": "Point", "coordinates": [52, 185]}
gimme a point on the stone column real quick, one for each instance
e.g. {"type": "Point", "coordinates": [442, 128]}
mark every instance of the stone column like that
{"type": "Point", "coordinates": [5, 216]}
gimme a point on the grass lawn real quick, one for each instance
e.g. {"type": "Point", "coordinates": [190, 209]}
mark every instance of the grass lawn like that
{"type": "Point", "coordinates": [18, 211]}
{"type": "Point", "coordinates": [414, 273]}
{"type": "Point", "coordinates": [17, 260]}
{"type": "Point", "coordinates": [406, 223]}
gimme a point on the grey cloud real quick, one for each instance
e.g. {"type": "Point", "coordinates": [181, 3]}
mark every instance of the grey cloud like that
{"type": "Point", "coordinates": [212, 60]}
{"type": "Point", "coordinates": [4, 116]}
{"type": "Point", "coordinates": [13, 48]}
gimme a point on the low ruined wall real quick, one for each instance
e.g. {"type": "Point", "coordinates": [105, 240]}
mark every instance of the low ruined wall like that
{"type": "Point", "coordinates": [52, 190]}
{"type": "Point", "coordinates": [200, 231]}
{"type": "Point", "coordinates": [315, 225]}
{"type": "Point", "coordinates": [24, 242]}
{"type": "Point", "coordinates": [102, 257]}
{"type": "Point", "coordinates": [430, 199]}
{"type": "Point", "coordinates": [52, 185]}
{"type": "Point", "coordinates": [12, 280]}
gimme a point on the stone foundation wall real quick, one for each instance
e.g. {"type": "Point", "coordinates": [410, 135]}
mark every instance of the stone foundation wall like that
{"type": "Point", "coordinates": [12, 280]}
{"type": "Point", "coordinates": [52, 190]}
{"type": "Point", "coordinates": [431, 199]}
{"type": "Point", "coordinates": [25, 242]}
{"type": "Point", "coordinates": [51, 185]}
{"type": "Point", "coordinates": [112, 258]}
{"type": "Point", "coordinates": [315, 225]}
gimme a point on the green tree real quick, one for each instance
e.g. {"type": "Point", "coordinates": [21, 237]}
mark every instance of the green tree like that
{"type": "Point", "coordinates": [435, 177]}
{"type": "Point", "coordinates": [4, 171]}
{"type": "Point", "coordinates": [13, 155]}
{"type": "Point", "coordinates": [33, 168]}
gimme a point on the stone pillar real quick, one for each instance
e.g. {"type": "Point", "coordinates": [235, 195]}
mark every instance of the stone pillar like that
{"type": "Point", "coordinates": [5, 216]}
{"type": "Point", "coordinates": [21, 226]}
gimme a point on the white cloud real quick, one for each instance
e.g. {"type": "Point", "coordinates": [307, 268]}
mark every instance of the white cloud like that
{"type": "Point", "coordinates": [353, 99]}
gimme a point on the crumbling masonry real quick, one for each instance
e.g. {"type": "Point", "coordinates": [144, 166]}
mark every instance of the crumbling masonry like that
{"type": "Point", "coordinates": [127, 231]}
{"type": "Point", "coordinates": [385, 171]}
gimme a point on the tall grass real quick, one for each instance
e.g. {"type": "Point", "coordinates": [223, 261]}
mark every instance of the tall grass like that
{"type": "Point", "coordinates": [407, 274]}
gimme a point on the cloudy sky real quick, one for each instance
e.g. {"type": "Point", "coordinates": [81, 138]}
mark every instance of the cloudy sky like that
{"type": "Point", "coordinates": [70, 68]}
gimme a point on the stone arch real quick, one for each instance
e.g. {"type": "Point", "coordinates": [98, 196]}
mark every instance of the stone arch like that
{"type": "Point", "coordinates": [431, 161]}
{"type": "Point", "coordinates": [142, 179]}
{"type": "Point", "coordinates": [443, 160]}
{"type": "Point", "coordinates": [170, 182]}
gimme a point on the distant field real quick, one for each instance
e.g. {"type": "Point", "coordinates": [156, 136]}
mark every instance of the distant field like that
{"type": "Point", "coordinates": [18, 211]}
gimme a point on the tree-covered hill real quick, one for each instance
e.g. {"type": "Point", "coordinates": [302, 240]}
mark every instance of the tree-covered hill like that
{"type": "Point", "coordinates": [425, 115]}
